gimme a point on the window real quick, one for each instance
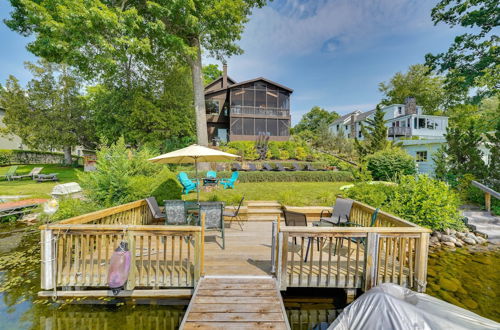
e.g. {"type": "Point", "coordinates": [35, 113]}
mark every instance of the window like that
{"type": "Point", "coordinates": [400, 110]}
{"type": "Point", "coordinates": [421, 156]}
{"type": "Point", "coordinates": [421, 122]}
{"type": "Point", "coordinates": [359, 134]}
{"type": "Point", "coordinates": [431, 124]}
{"type": "Point", "coordinates": [212, 106]}
{"type": "Point", "coordinates": [338, 127]}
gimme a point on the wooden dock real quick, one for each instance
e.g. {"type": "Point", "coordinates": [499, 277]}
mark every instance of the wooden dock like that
{"type": "Point", "coordinates": [236, 302]}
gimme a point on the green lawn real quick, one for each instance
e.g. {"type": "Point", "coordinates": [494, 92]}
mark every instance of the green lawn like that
{"type": "Point", "coordinates": [289, 193]}
{"type": "Point", "coordinates": [33, 188]}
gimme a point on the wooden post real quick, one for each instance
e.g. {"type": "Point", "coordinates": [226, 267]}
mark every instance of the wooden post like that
{"type": "Point", "coordinates": [371, 259]}
{"type": "Point", "coordinates": [48, 260]}
{"type": "Point", "coordinates": [202, 248]}
{"type": "Point", "coordinates": [197, 258]}
{"type": "Point", "coordinates": [422, 251]}
{"type": "Point", "coordinates": [282, 260]}
{"type": "Point", "coordinates": [274, 232]}
{"type": "Point", "coordinates": [487, 201]}
{"type": "Point", "coordinates": [130, 285]}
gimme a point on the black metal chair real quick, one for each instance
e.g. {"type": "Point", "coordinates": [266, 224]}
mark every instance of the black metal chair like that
{"type": "Point", "coordinates": [155, 209]}
{"type": "Point", "coordinates": [266, 167]}
{"type": "Point", "coordinates": [237, 167]}
{"type": "Point", "coordinates": [252, 167]}
{"type": "Point", "coordinates": [235, 215]}
{"type": "Point", "coordinates": [214, 218]}
{"type": "Point", "coordinates": [298, 219]}
{"type": "Point", "coordinates": [279, 167]}
{"type": "Point", "coordinates": [295, 167]}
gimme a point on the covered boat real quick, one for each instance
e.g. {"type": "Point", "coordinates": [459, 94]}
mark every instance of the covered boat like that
{"type": "Point", "coordinates": [390, 306]}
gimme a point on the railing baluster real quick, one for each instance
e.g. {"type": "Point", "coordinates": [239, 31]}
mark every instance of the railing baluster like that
{"type": "Point", "coordinates": [301, 259]}
{"type": "Point", "coordinates": [328, 276]}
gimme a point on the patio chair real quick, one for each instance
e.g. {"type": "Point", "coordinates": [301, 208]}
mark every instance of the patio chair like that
{"type": "Point", "coordinates": [295, 167]}
{"type": "Point", "coordinates": [211, 174]}
{"type": "Point", "coordinates": [252, 167]}
{"type": "Point", "coordinates": [46, 177]}
{"type": "Point", "coordinates": [175, 212]}
{"type": "Point", "coordinates": [298, 219]}
{"type": "Point", "coordinates": [341, 212]}
{"type": "Point", "coordinates": [234, 215]}
{"type": "Point", "coordinates": [237, 167]}
{"type": "Point", "coordinates": [10, 172]}
{"type": "Point", "coordinates": [211, 179]}
{"type": "Point", "coordinates": [187, 184]}
{"type": "Point", "coordinates": [214, 218]}
{"type": "Point", "coordinates": [34, 172]}
{"type": "Point", "coordinates": [266, 167]}
{"type": "Point", "coordinates": [308, 167]}
{"type": "Point", "coordinates": [229, 183]}
{"type": "Point", "coordinates": [279, 168]}
{"type": "Point", "coordinates": [158, 215]}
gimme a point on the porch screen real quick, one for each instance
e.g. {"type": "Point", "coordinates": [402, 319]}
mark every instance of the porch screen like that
{"type": "Point", "coordinates": [237, 126]}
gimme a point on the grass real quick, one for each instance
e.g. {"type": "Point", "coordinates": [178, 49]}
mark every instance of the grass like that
{"type": "Point", "coordinates": [289, 193]}
{"type": "Point", "coordinates": [33, 188]}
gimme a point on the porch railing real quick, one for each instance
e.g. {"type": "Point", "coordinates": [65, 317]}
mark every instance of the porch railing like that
{"type": "Point", "coordinates": [393, 250]}
{"type": "Point", "coordinates": [76, 251]}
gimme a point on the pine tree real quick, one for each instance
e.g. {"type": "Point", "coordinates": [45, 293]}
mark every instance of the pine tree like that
{"type": "Point", "coordinates": [375, 134]}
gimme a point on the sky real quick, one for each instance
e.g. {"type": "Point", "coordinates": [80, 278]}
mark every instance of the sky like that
{"type": "Point", "coordinates": [332, 53]}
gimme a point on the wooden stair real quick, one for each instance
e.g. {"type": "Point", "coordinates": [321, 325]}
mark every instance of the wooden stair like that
{"type": "Point", "coordinates": [263, 210]}
{"type": "Point", "coordinates": [236, 302]}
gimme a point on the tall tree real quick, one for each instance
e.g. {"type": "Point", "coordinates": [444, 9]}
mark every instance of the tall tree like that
{"type": "Point", "coordinates": [419, 82]}
{"type": "Point", "coordinates": [105, 37]}
{"type": "Point", "coordinates": [210, 73]}
{"type": "Point", "coordinates": [50, 113]}
{"type": "Point", "coordinates": [472, 58]}
{"type": "Point", "coordinates": [374, 133]}
{"type": "Point", "coordinates": [314, 118]}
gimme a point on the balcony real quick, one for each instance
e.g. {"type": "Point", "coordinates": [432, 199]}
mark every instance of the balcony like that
{"type": "Point", "coordinates": [399, 131]}
{"type": "Point", "coordinates": [253, 111]}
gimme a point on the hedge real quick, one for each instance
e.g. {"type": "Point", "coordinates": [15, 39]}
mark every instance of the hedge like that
{"type": "Point", "coordinates": [14, 156]}
{"type": "Point", "coordinates": [295, 176]}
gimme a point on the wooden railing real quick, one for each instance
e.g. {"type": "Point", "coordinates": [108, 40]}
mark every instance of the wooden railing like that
{"type": "Point", "coordinates": [488, 192]}
{"type": "Point", "coordinates": [394, 250]}
{"type": "Point", "coordinates": [76, 252]}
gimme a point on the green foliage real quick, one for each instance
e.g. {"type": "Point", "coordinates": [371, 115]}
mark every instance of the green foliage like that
{"type": "Point", "coordinates": [210, 73]}
{"type": "Point", "coordinates": [472, 59]}
{"type": "Point", "coordinates": [284, 155]}
{"type": "Point", "coordinates": [390, 164]}
{"type": "Point", "coordinates": [426, 202]}
{"type": "Point", "coordinates": [282, 150]}
{"type": "Point", "coordinates": [313, 119]}
{"type": "Point", "coordinates": [422, 200]}
{"type": "Point", "coordinates": [376, 194]}
{"type": "Point", "coordinates": [418, 82]}
{"type": "Point", "coordinates": [125, 175]}
{"type": "Point", "coordinates": [375, 134]}
{"type": "Point", "coordinates": [5, 156]}
{"type": "Point", "coordinates": [272, 176]}
{"type": "Point", "coordinates": [50, 112]}
{"type": "Point", "coordinates": [72, 207]}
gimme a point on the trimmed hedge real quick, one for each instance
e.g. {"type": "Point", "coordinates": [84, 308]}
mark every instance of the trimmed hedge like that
{"type": "Point", "coordinates": [271, 176]}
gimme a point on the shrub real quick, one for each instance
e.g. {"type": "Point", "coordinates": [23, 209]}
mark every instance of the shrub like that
{"type": "Point", "coordinates": [299, 176]}
{"type": "Point", "coordinates": [390, 164]}
{"type": "Point", "coordinates": [284, 155]}
{"type": "Point", "coordinates": [426, 202]}
{"type": "Point", "coordinates": [5, 157]}
{"type": "Point", "coordinates": [300, 153]}
{"type": "Point", "coordinates": [124, 176]}
{"type": "Point", "coordinates": [72, 207]}
{"type": "Point", "coordinates": [376, 194]}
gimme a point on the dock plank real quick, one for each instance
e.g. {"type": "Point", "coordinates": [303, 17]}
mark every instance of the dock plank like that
{"type": "Point", "coordinates": [243, 302]}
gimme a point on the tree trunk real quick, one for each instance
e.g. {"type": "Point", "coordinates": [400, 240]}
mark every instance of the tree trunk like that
{"type": "Point", "coordinates": [199, 95]}
{"type": "Point", "coordinates": [67, 156]}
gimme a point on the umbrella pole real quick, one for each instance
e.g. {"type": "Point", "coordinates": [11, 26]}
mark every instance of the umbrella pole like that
{"type": "Point", "coordinates": [197, 180]}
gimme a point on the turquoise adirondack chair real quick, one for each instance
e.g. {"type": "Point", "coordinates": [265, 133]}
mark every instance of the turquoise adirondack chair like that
{"type": "Point", "coordinates": [229, 183]}
{"type": "Point", "coordinates": [212, 174]}
{"type": "Point", "coordinates": [186, 183]}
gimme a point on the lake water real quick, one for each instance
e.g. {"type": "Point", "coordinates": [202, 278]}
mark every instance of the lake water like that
{"type": "Point", "coordinates": [468, 278]}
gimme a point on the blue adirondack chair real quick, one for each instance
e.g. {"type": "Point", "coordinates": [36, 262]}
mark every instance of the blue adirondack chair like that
{"type": "Point", "coordinates": [211, 174]}
{"type": "Point", "coordinates": [229, 183]}
{"type": "Point", "coordinates": [186, 183]}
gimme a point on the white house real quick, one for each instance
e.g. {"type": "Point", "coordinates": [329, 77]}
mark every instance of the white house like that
{"type": "Point", "coordinates": [420, 135]}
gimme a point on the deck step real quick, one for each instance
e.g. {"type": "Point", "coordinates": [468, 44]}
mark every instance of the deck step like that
{"type": "Point", "coordinates": [262, 217]}
{"type": "Point", "coordinates": [236, 302]}
{"type": "Point", "coordinates": [263, 211]}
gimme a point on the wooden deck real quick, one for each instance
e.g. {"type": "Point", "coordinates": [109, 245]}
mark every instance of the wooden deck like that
{"type": "Point", "coordinates": [236, 302]}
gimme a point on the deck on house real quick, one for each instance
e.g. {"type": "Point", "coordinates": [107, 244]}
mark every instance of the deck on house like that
{"type": "Point", "coordinates": [236, 302]}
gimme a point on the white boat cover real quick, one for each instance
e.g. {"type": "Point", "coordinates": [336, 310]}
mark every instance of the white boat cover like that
{"type": "Point", "coordinates": [66, 189]}
{"type": "Point", "coordinates": [390, 306]}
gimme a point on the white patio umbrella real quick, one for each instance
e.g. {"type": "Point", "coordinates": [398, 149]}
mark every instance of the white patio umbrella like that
{"type": "Point", "coordinates": [194, 153]}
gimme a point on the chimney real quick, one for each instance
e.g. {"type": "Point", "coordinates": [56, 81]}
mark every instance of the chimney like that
{"type": "Point", "coordinates": [354, 116]}
{"type": "Point", "coordinates": [410, 106]}
{"type": "Point", "coordinates": [224, 75]}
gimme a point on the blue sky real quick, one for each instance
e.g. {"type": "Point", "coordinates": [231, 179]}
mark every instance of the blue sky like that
{"type": "Point", "coordinates": [333, 53]}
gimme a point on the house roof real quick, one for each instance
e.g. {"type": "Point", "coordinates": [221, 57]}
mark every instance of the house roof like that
{"type": "Point", "coordinates": [342, 119]}
{"type": "Point", "coordinates": [229, 80]}
{"type": "Point", "coordinates": [234, 84]}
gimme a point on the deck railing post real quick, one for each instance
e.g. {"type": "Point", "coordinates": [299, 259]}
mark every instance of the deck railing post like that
{"type": "Point", "coordinates": [197, 258]}
{"type": "Point", "coordinates": [371, 260]}
{"type": "Point", "coordinates": [487, 201]}
{"type": "Point", "coordinates": [48, 260]}
{"type": "Point", "coordinates": [273, 247]}
{"type": "Point", "coordinates": [130, 285]}
{"type": "Point", "coordinates": [282, 260]}
{"type": "Point", "coordinates": [422, 252]}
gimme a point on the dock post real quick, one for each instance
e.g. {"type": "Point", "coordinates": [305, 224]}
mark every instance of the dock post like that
{"type": "Point", "coordinates": [273, 247]}
{"type": "Point", "coordinates": [422, 252]}
{"type": "Point", "coordinates": [371, 259]}
{"type": "Point", "coordinates": [350, 295]}
{"type": "Point", "coordinates": [130, 285]}
{"type": "Point", "coordinates": [48, 259]}
{"type": "Point", "coordinates": [487, 201]}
